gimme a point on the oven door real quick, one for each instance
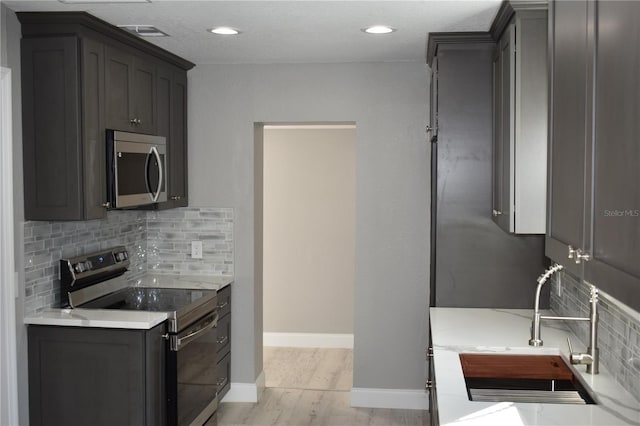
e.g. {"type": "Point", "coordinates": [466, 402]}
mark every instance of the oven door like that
{"type": "Point", "coordinates": [191, 373]}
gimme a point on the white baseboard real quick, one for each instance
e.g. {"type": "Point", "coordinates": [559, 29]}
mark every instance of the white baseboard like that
{"type": "Point", "coordinates": [407, 399]}
{"type": "Point", "coordinates": [308, 340]}
{"type": "Point", "coordinates": [246, 392]}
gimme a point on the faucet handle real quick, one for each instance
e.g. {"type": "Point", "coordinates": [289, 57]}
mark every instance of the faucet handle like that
{"type": "Point", "coordinates": [571, 253]}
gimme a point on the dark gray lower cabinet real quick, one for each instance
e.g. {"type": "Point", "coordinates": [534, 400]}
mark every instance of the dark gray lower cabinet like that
{"type": "Point", "coordinates": [223, 347]}
{"type": "Point", "coordinates": [94, 376]}
{"type": "Point", "coordinates": [431, 386]}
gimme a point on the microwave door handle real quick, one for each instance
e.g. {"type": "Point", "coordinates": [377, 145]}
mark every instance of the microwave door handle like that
{"type": "Point", "coordinates": [155, 152]}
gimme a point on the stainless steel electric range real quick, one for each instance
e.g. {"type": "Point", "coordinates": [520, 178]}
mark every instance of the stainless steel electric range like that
{"type": "Point", "coordinates": [95, 281]}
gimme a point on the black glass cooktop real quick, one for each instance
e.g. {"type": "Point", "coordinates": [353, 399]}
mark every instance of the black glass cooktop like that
{"type": "Point", "coordinates": [148, 299]}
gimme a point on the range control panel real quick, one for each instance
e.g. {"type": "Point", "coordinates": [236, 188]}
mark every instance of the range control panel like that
{"type": "Point", "coordinates": [93, 266]}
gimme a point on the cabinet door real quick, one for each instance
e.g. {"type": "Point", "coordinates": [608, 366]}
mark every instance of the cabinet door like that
{"type": "Point", "coordinates": [497, 180]}
{"type": "Point", "coordinates": [51, 129]}
{"type": "Point", "coordinates": [433, 102]}
{"type": "Point", "coordinates": [93, 135]}
{"type": "Point", "coordinates": [86, 376]}
{"type": "Point", "coordinates": [616, 173]}
{"type": "Point", "coordinates": [178, 185]}
{"type": "Point", "coordinates": [118, 86]}
{"type": "Point", "coordinates": [143, 96]}
{"type": "Point", "coordinates": [504, 120]}
{"type": "Point", "coordinates": [223, 374]}
{"type": "Point", "coordinates": [568, 141]}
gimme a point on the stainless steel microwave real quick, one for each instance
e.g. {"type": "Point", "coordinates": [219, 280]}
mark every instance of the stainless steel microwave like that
{"type": "Point", "coordinates": [136, 169]}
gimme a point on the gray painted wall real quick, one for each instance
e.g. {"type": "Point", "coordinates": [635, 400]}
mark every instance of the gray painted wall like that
{"type": "Point", "coordinates": [11, 59]}
{"type": "Point", "coordinates": [389, 104]}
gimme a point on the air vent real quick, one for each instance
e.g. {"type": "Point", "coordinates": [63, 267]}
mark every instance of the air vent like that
{"type": "Point", "coordinates": [102, 1]}
{"type": "Point", "coordinates": [144, 30]}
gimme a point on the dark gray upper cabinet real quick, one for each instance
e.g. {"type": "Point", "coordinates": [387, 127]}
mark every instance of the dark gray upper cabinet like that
{"type": "Point", "coordinates": [520, 118]}
{"type": "Point", "coordinates": [178, 145]}
{"type": "Point", "coordinates": [57, 142]}
{"type": "Point", "coordinates": [568, 140]}
{"type": "Point", "coordinates": [130, 85]}
{"type": "Point", "coordinates": [615, 219]}
{"type": "Point", "coordinates": [81, 76]}
{"type": "Point", "coordinates": [594, 197]}
{"type": "Point", "coordinates": [172, 124]}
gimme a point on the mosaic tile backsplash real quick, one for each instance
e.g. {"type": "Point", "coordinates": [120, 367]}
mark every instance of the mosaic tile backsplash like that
{"type": "Point", "coordinates": [158, 241]}
{"type": "Point", "coordinates": [618, 332]}
{"type": "Point", "coordinates": [169, 236]}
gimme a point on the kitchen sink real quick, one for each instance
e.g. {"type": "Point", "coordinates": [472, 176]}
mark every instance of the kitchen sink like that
{"type": "Point", "coordinates": [522, 378]}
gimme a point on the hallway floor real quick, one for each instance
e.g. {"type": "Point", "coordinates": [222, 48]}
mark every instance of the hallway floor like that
{"type": "Point", "coordinates": [311, 386]}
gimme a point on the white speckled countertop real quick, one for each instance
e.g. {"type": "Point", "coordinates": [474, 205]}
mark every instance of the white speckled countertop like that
{"type": "Point", "coordinates": [458, 330]}
{"type": "Point", "coordinates": [108, 318]}
{"type": "Point", "coordinates": [204, 282]}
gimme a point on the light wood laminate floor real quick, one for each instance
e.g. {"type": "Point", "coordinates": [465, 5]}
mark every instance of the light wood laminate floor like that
{"type": "Point", "coordinates": [311, 387]}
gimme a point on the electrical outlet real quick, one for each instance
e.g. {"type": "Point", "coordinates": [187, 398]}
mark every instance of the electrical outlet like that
{"type": "Point", "coordinates": [196, 249]}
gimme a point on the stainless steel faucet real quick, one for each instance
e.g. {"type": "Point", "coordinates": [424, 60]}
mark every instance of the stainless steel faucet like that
{"type": "Point", "coordinates": [590, 358]}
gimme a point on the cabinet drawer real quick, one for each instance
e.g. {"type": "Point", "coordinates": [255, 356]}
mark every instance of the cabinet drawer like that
{"type": "Point", "coordinates": [223, 340]}
{"type": "Point", "coordinates": [224, 301]}
{"type": "Point", "coordinates": [223, 373]}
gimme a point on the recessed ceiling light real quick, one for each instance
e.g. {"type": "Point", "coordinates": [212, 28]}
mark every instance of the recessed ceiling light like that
{"type": "Point", "coordinates": [379, 29]}
{"type": "Point", "coordinates": [224, 31]}
{"type": "Point", "coordinates": [144, 30]}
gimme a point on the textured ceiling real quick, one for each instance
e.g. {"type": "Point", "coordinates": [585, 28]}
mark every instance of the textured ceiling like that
{"type": "Point", "coordinates": [301, 31]}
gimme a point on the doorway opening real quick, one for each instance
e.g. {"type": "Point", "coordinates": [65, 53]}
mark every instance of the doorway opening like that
{"type": "Point", "coordinates": [308, 258]}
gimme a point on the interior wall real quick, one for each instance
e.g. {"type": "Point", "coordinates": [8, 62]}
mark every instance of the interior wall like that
{"type": "Point", "coordinates": [11, 34]}
{"type": "Point", "coordinates": [389, 104]}
{"type": "Point", "coordinates": [309, 230]}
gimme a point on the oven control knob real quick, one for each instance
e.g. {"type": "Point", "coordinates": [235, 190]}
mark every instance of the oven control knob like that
{"type": "Point", "coordinates": [120, 256]}
{"type": "Point", "coordinates": [79, 267]}
{"type": "Point", "coordinates": [88, 265]}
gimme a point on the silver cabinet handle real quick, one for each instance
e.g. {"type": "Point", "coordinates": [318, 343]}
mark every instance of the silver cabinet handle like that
{"type": "Point", "coordinates": [135, 121]}
{"type": "Point", "coordinates": [221, 382]}
{"type": "Point", "coordinates": [222, 340]}
{"type": "Point", "coordinates": [578, 255]}
{"type": "Point", "coordinates": [176, 197]}
{"type": "Point", "coordinates": [581, 256]}
{"type": "Point", "coordinates": [223, 305]}
{"type": "Point", "coordinates": [107, 204]}
{"type": "Point", "coordinates": [429, 385]}
{"type": "Point", "coordinates": [496, 213]}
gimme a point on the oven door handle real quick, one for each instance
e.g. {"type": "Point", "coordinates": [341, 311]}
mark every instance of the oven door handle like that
{"type": "Point", "coordinates": [203, 326]}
